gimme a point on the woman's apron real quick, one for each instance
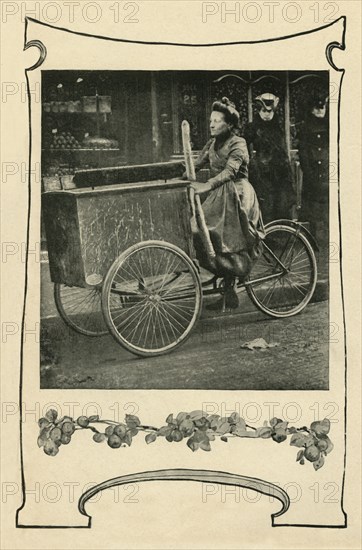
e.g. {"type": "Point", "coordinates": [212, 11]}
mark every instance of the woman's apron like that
{"type": "Point", "coordinates": [234, 222]}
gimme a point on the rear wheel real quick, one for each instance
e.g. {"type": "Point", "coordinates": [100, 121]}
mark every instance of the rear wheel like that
{"type": "Point", "coordinates": [284, 277]}
{"type": "Point", "coordinates": [152, 298]}
{"type": "Point", "coordinates": [80, 309]}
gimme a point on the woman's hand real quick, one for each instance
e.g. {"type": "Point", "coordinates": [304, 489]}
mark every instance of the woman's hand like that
{"type": "Point", "coordinates": [201, 189]}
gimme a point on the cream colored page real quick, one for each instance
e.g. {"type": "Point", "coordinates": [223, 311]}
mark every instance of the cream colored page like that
{"type": "Point", "coordinates": [40, 493]}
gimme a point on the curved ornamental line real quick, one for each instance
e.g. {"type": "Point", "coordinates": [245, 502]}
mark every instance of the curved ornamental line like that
{"type": "Point", "coordinates": [198, 429]}
{"type": "Point", "coordinates": [200, 476]}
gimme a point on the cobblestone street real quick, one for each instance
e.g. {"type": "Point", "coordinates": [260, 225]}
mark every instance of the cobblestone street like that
{"type": "Point", "coordinates": [211, 359]}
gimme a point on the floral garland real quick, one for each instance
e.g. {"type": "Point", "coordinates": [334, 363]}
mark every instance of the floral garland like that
{"type": "Point", "coordinates": [198, 427]}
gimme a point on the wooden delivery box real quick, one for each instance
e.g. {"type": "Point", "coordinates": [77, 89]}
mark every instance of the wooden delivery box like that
{"type": "Point", "coordinates": [88, 228]}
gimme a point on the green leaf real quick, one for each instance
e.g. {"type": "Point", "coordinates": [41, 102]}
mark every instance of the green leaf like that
{"type": "Point", "coordinates": [279, 436]}
{"type": "Point", "coordinates": [181, 417]}
{"type": "Point", "coordinates": [213, 419]}
{"type": "Point", "coordinates": [211, 435]}
{"type": "Point", "coordinates": [241, 424]}
{"type": "Point", "coordinates": [300, 455]}
{"type": "Point", "coordinates": [170, 419]}
{"type": "Point", "coordinates": [165, 431]}
{"type": "Point", "coordinates": [309, 440]}
{"type": "Point", "coordinates": [94, 418]}
{"type": "Point", "coordinates": [250, 433]}
{"type": "Point", "coordinates": [200, 436]}
{"type": "Point", "coordinates": [51, 415]}
{"type": "Point", "coordinates": [281, 425]}
{"type": "Point", "coordinates": [150, 438]}
{"type": "Point", "coordinates": [223, 438]}
{"type": "Point", "coordinates": [274, 421]}
{"type": "Point", "coordinates": [223, 427]}
{"type": "Point", "coordinates": [128, 439]}
{"type": "Point", "coordinates": [239, 431]}
{"type": "Point", "coordinates": [202, 423]}
{"type": "Point", "coordinates": [205, 445]}
{"type": "Point", "coordinates": [187, 426]}
{"type": "Point", "coordinates": [264, 433]}
{"type": "Point", "coordinates": [330, 446]}
{"type": "Point", "coordinates": [131, 419]}
{"type": "Point", "coordinates": [298, 440]}
{"type": "Point", "coordinates": [318, 463]}
{"type": "Point", "coordinates": [321, 427]}
{"type": "Point", "coordinates": [192, 444]}
{"type": "Point", "coordinates": [196, 415]}
{"type": "Point", "coordinates": [234, 418]}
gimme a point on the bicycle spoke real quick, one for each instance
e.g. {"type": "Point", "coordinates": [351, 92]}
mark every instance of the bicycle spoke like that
{"type": "Point", "coordinates": [153, 298]}
{"type": "Point", "coordinates": [146, 324]}
{"type": "Point", "coordinates": [163, 305]}
{"type": "Point", "coordinates": [292, 290]}
{"type": "Point", "coordinates": [270, 292]}
{"type": "Point", "coordinates": [134, 314]}
{"type": "Point", "coordinates": [75, 303]}
{"type": "Point", "coordinates": [164, 294]}
{"type": "Point", "coordinates": [80, 308]}
{"type": "Point", "coordinates": [126, 310]}
{"type": "Point", "coordinates": [139, 318]}
{"type": "Point", "coordinates": [166, 273]}
{"type": "Point", "coordinates": [176, 312]}
{"type": "Point", "coordinates": [296, 287]}
{"type": "Point", "coordinates": [165, 316]}
{"type": "Point", "coordinates": [159, 318]}
{"type": "Point", "coordinates": [182, 307]}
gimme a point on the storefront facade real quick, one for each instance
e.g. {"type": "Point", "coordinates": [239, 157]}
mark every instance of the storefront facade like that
{"type": "Point", "coordinates": [108, 118]}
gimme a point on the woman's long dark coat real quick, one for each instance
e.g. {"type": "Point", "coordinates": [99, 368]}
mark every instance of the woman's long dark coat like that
{"type": "Point", "coordinates": [270, 170]}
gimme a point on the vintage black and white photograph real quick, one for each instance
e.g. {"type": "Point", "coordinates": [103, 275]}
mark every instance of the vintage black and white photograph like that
{"type": "Point", "coordinates": [185, 230]}
{"type": "Point", "coordinates": [181, 214]}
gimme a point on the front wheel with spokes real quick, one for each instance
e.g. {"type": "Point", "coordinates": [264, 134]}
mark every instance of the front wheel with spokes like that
{"type": "Point", "coordinates": [283, 279]}
{"type": "Point", "coordinates": [152, 298]}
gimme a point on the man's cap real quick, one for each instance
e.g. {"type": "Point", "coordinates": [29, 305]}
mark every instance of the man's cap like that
{"type": "Point", "coordinates": [318, 98]}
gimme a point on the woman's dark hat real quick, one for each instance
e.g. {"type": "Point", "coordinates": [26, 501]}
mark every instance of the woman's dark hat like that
{"type": "Point", "coordinates": [228, 109]}
{"type": "Point", "coordinates": [268, 101]}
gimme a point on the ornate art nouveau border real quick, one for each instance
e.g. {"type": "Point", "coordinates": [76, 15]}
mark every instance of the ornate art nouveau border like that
{"type": "Point", "coordinates": [49, 437]}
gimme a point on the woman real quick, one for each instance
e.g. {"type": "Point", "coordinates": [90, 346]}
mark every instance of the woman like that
{"type": "Point", "coordinates": [270, 169]}
{"type": "Point", "coordinates": [230, 204]}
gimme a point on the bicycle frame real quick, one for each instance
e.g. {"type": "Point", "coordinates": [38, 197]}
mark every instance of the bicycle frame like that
{"type": "Point", "coordinates": [211, 291]}
{"type": "Point", "coordinates": [208, 292]}
{"type": "Point", "coordinates": [297, 225]}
